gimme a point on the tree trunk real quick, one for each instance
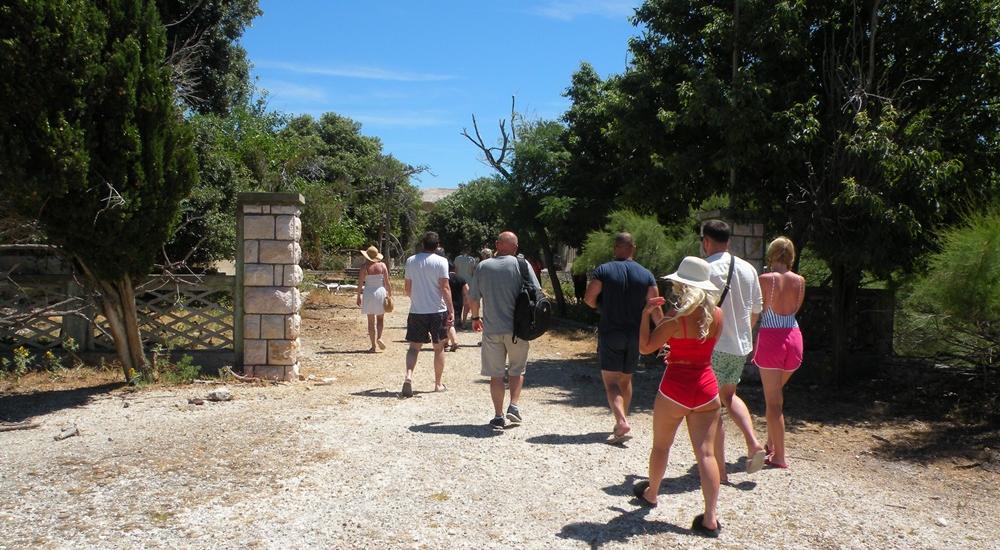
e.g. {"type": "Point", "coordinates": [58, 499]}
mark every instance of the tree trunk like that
{"type": "Point", "coordinates": [117, 302]}
{"type": "Point", "coordinates": [553, 272]}
{"type": "Point", "coordinates": [845, 285]}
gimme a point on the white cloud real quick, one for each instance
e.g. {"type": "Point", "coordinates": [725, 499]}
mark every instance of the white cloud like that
{"type": "Point", "coordinates": [368, 73]}
{"type": "Point", "coordinates": [288, 91]}
{"type": "Point", "coordinates": [567, 10]}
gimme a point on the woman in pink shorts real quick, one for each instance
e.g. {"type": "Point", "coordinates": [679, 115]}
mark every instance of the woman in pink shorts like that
{"type": "Point", "coordinates": [779, 342]}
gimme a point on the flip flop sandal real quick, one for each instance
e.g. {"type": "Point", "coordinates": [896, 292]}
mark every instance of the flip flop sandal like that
{"type": "Point", "coordinates": [639, 489]}
{"type": "Point", "coordinates": [380, 343]}
{"type": "Point", "coordinates": [618, 439]}
{"type": "Point", "coordinates": [774, 464]}
{"type": "Point", "coordinates": [407, 389]}
{"type": "Point", "coordinates": [756, 462]}
{"type": "Point", "coordinates": [698, 527]}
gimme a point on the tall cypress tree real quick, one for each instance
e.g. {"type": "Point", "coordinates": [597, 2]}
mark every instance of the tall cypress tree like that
{"type": "Point", "coordinates": [94, 145]}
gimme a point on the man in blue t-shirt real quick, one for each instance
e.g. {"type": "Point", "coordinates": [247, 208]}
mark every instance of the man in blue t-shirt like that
{"type": "Point", "coordinates": [619, 290]}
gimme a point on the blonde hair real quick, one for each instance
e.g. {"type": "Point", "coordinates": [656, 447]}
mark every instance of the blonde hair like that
{"type": "Point", "coordinates": [687, 299]}
{"type": "Point", "coordinates": [781, 250]}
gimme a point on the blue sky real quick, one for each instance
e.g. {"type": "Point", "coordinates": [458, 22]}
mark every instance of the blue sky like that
{"type": "Point", "coordinates": [413, 72]}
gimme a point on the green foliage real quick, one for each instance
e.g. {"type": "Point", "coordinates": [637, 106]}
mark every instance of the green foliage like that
{"type": "Point", "coordinates": [184, 371]}
{"type": "Point", "coordinates": [955, 309]}
{"type": "Point", "coordinates": [19, 364]}
{"type": "Point", "coordinates": [93, 143]}
{"type": "Point", "coordinates": [354, 193]}
{"type": "Point", "coordinates": [202, 40]}
{"type": "Point", "coordinates": [658, 248]}
{"type": "Point", "coordinates": [473, 216]}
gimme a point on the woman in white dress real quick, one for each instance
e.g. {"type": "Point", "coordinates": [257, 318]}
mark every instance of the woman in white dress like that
{"type": "Point", "coordinates": [373, 288]}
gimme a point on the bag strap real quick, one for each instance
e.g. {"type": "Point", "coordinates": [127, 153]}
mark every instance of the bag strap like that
{"type": "Point", "coordinates": [522, 266]}
{"type": "Point", "coordinates": [729, 279]}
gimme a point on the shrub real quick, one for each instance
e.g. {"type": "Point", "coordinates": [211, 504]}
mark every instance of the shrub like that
{"type": "Point", "coordinates": [184, 371]}
{"type": "Point", "coordinates": [658, 248]}
{"type": "Point", "coordinates": [955, 310]}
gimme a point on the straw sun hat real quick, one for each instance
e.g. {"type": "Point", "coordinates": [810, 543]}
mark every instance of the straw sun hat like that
{"type": "Point", "coordinates": [372, 254]}
{"type": "Point", "coordinates": [694, 272]}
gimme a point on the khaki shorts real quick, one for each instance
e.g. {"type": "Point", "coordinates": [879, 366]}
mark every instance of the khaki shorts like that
{"type": "Point", "coordinates": [728, 367]}
{"type": "Point", "coordinates": [497, 348]}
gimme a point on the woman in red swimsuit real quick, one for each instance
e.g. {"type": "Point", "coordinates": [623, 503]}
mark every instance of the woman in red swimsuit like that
{"type": "Point", "coordinates": [688, 390]}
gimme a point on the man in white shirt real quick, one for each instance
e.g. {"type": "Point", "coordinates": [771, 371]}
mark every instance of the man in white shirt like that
{"type": "Point", "coordinates": [431, 309]}
{"type": "Point", "coordinates": [742, 302]}
{"type": "Point", "coordinates": [465, 266]}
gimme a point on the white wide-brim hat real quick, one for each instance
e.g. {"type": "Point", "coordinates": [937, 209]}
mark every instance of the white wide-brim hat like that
{"type": "Point", "coordinates": [372, 254]}
{"type": "Point", "coordinates": [695, 272]}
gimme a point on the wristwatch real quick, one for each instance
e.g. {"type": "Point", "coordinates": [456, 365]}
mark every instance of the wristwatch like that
{"type": "Point", "coordinates": [477, 318]}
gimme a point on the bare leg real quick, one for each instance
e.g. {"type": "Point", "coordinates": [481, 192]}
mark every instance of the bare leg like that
{"type": "Point", "coordinates": [667, 416]}
{"type": "Point", "coordinates": [515, 383]}
{"type": "Point", "coordinates": [701, 427]}
{"type": "Point", "coordinates": [379, 327]}
{"type": "Point", "coordinates": [616, 384]}
{"type": "Point", "coordinates": [740, 414]}
{"type": "Point", "coordinates": [452, 337]}
{"type": "Point", "coordinates": [497, 394]}
{"type": "Point", "coordinates": [720, 450]}
{"type": "Point", "coordinates": [411, 359]}
{"type": "Point", "coordinates": [774, 383]}
{"type": "Point", "coordinates": [438, 365]}
{"type": "Point", "coordinates": [371, 330]}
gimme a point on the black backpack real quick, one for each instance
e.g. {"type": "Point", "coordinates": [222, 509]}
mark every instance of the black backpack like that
{"type": "Point", "coordinates": [532, 310]}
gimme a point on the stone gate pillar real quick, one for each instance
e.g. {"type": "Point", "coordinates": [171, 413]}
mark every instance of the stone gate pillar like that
{"type": "Point", "coordinates": [267, 301]}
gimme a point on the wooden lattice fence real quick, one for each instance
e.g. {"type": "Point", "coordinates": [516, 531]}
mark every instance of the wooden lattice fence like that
{"type": "Point", "coordinates": [185, 313]}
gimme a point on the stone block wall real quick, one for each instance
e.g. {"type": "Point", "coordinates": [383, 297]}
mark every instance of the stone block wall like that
{"type": "Point", "coordinates": [746, 239]}
{"type": "Point", "coordinates": [269, 275]}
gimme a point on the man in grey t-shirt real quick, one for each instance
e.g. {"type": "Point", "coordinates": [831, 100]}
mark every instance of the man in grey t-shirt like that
{"type": "Point", "coordinates": [497, 282]}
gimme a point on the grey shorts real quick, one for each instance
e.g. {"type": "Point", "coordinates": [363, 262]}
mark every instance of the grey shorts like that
{"type": "Point", "coordinates": [497, 348]}
{"type": "Point", "coordinates": [728, 367]}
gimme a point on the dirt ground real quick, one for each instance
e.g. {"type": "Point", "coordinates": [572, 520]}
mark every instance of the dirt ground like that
{"type": "Point", "coordinates": [349, 464]}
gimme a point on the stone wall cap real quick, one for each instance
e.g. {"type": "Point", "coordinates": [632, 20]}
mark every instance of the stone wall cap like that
{"type": "Point", "coordinates": [271, 198]}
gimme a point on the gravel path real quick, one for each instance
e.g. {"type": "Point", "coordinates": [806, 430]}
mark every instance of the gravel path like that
{"type": "Point", "coordinates": [350, 465]}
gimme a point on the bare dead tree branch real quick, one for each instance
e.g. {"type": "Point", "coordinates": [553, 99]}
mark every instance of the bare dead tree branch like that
{"type": "Point", "coordinates": [496, 156]}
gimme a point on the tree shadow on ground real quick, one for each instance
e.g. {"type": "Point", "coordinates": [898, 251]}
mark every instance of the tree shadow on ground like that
{"type": "Point", "coordinates": [474, 431]}
{"type": "Point", "coordinates": [939, 411]}
{"type": "Point", "coordinates": [621, 528]}
{"type": "Point", "coordinates": [570, 439]}
{"type": "Point", "coordinates": [23, 406]}
{"type": "Point", "coordinates": [348, 352]}
{"type": "Point", "coordinates": [579, 380]}
{"type": "Point", "coordinates": [384, 393]}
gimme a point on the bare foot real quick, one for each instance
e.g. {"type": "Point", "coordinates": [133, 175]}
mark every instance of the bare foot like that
{"type": "Point", "coordinates": [380, 343]}
{"type": "Point", "coordinates": [440, 387]}
{"type": "Point", "coordinates": [371, 350]}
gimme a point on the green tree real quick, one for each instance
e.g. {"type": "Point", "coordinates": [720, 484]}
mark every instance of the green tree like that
{"type": "Point", "coordinates": [531, 160]}
{"type": "Point", "coordinates": [860, 128]}
{"type": "Point", "coordinates": [659, 248]}
{"type": "Point", "coordinates": [93, 144]}
{"type": "Point", "coordinates": [958, 303]}
{"type": "Point", "coordinates": [472, 217]}
{"type": "Point", "coordinates": [211, 70]}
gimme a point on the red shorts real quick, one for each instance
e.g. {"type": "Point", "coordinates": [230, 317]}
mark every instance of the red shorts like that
{"type": "Point", "coordinates": [689, 386]}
